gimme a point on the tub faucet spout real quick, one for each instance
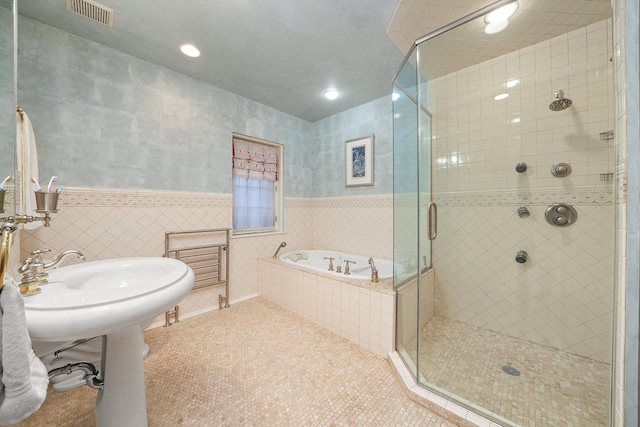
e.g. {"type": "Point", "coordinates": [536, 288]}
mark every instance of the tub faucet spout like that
{"type": "Point", "coordinates": [374, 271]}
{"type": "Point", "coordinates": [282, 245]}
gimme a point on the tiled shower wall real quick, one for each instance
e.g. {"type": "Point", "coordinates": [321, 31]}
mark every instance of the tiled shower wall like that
{"type": "Point", "coordinates": [563, 296]}
{"type": "Point", "coordinates": [479, 140]}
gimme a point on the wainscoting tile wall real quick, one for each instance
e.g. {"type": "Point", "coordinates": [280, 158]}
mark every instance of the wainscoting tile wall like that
{"type": "Point", "coordinates": [359, 225]}
{"type": "Point", "coordinates": [127, 223]}
{"type": "Point", "coordinates": [108, 223]}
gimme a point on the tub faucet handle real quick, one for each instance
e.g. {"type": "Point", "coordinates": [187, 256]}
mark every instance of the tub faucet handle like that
{"type": "Point", "coordinates": [330, 262]}
{"type": "Point", "coordinates": [346, 266]}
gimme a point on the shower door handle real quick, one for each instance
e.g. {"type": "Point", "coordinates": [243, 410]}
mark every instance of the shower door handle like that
{"type": "Point", "coordinates": [432, 221]}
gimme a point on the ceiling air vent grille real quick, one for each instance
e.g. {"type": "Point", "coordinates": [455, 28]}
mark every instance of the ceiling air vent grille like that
{"type": "Point", "coordinates": [92, 10]}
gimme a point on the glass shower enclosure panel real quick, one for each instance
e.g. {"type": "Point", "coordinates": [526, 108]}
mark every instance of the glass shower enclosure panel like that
{"type": "Point", "coordinates": [405, 209]}
{"type": "Point", "coordinates": [500, 309]}
{"type": "Point", "coordinates": [412, 195]}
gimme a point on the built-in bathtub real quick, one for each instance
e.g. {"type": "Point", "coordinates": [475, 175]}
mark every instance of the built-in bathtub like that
{"type": "Point", "coordinates": [354, 308]}
{"type": "Point", "coordinates": [320, 260]}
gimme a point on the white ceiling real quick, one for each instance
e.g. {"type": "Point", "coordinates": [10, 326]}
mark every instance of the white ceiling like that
{"type": "Point", "coordinates": [285, 53]}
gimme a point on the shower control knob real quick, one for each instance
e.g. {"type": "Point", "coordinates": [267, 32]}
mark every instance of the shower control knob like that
{"type": "Point", "coordinates": [561, 220]}
{"type": "Point", "coordinates": [561, 215]}
{"type": "Point", "coordinates": [560, 170]}
{"type": "Point", "coordinates": [521, 167]}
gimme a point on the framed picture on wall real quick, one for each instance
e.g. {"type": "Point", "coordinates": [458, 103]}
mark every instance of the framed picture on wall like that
{"type": "Point", "coordinates": [358, 162]}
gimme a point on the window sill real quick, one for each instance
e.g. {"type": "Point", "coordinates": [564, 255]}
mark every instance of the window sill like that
{"type": "Point", "coordinates": [267, 233]}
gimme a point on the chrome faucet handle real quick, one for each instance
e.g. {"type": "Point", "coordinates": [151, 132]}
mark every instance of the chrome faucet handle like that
{"type": "Point", "coordinates": [40, 251]}
{"type": "Point", "coordinates": [346, 266]}
{"type": "Point", "coordinates": [330, 262]}
{"type": "Point", "coordinates": [38, 263]}
{"type": "Point", "coordinates": [25, 266]}
{"type": "Point", "coordinates": [29, 285]}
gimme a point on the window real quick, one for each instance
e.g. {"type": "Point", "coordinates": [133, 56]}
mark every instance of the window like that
{"type": "Point", "coordinates": [257, 200]}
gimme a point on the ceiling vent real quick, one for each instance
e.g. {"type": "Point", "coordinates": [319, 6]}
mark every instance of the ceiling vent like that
{"type": "Point", "coordinates": [92, 10]}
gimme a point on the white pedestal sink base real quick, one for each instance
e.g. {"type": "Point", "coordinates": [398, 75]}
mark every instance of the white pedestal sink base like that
{"type": "Point", "coordinates": [122, 402]}
{"type": "Point", "coordinates": [113, 298]}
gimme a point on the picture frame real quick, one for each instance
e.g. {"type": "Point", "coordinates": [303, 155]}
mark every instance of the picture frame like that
{"type": "Point", "coordinates": [358, 162]}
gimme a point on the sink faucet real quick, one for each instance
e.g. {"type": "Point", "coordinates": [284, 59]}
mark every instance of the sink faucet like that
{"type": "Point", "coordinates": [62, 256]}
{"type": "Point", "coordinates": [33, 270]}
{"type": "Point", "coordinates": [374, 271]}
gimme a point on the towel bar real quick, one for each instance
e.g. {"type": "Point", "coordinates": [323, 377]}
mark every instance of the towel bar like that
{"type": "Point", "coordinates": [206, 252]}
{"type": "Point", "coordinates": [5, 246]}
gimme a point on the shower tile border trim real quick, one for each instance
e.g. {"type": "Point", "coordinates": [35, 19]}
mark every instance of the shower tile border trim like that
{"type": "Point", "coordinates": [590, 197]}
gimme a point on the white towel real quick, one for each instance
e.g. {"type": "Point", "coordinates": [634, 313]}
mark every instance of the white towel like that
{"type": "Point", "coordinates": [24, 378]}
{"type": "Point", "coordinates": [27, 157]}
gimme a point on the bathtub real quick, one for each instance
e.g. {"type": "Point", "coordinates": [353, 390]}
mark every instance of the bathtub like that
{"type": "Point", "coordinates": [351, 306]}
{"type": "Point", "coordinates": [360, 270]}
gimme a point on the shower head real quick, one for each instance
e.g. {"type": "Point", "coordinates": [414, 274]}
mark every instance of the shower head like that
{"type": "Point", "coordinates": [561, 103]}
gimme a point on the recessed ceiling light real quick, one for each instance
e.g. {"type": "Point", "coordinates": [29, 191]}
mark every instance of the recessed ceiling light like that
{"type": "Point", "coordinates": [331, 94]}
{"type": "Point", "coordinates": [512, 83]}
{"type": "Point", "coordinates": [501, 14]}
{"type": "Point", "coordinates": [501, 96]}
{"type": "Point", "coordinates": [496, 27]}
{"type": "Point", "coordinates": [190, 50]}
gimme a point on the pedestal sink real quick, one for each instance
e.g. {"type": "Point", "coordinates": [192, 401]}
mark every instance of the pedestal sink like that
{"type": "Point", "coordinates": [113, 298]}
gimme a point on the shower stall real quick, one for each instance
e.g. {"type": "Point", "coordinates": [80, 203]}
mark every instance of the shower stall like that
{"type": "Point", "coordinates": [504, 213]}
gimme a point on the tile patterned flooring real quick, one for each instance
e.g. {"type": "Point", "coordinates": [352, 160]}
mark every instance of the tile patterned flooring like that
{"type": "Point", "coordinates": [555, 388]}
{"type": "Point", "coordinates": [256, 364]}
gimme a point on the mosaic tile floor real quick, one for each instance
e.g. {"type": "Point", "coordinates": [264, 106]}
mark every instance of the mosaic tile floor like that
{"type": "Point", "coordinates": [256, 364]}
{"type": "Point", "coordinates": [555, 388]}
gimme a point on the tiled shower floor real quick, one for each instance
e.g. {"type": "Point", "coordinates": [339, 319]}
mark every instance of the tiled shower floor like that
{"type": "Point", "coordinates": [255, 364]}
{"type": "Point", "coordinates": [555, 388]}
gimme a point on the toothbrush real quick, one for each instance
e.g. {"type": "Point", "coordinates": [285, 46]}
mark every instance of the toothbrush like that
{"type": "Point", "coordinates": [60, 189]}
{"type": "Point", "coordinates": [7, 179]}
{"type": "Point", "coordinates": [51, 181]}
{"type": "Point", "coordinates": [35, 181]}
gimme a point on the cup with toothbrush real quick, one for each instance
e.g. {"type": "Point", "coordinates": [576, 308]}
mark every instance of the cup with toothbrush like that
{"type": "Point", "coordinates": [3, 191]}
{"type": "Point", "coordinates": [47, 201]}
